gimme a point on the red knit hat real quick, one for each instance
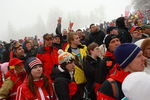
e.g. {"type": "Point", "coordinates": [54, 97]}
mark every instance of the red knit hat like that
{"type": "Point", "coordinates": [14, 61]}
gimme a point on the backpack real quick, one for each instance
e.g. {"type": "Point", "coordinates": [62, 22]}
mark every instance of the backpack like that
{"type": "Point", "coordinates": [114, 88]}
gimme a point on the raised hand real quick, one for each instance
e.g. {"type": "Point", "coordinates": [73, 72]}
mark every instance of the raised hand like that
{"type": "Point", "coordinates": [59, 20]}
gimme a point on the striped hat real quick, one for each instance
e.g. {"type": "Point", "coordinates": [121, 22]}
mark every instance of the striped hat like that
{"type": "Point", "coordinates": [31, 62]}
{"type": "Point", "coordinates": [125, 54]}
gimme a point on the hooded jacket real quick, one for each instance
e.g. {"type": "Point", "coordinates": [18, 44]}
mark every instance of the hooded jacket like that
{"type": "Point", "coordinates": [124, 33]}
{"type": "Point", "coordinates": [49, 57]}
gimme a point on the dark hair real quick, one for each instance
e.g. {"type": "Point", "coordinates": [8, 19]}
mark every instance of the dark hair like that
{"type": "Point", "coordinates": [78, 30]}
{"type": "Point", "coordinates": [91, 25]}
{"type": "Point", "coordinates": [136, 22]}
{"type": "Point", "coordinates": [63, 65]}
{"type": "Point", "coordinates": [15, 45]}
{"type": "Point", "coordinates": [120, 22]}
{"type": "Point", "coordinates": [46, 35]}
{"type": "Point", "coordinates": [32, 86]}
{"type": "Point", "coordinates": [91, 47]}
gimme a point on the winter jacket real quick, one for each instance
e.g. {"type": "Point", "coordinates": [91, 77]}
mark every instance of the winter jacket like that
{"type": "Point", "coordinates": [65, 87]}
{"type": "Point", "coordinates": [123, 31]}
{"type": "Point", "coordinates": [96, 37]}
{"type": "Point", "coordinates": [79, 75]}
{"type": "Point", "coordinates": [10, 85]}
{"type": "Point", "coordinates": [92, 75]}
{"type": "Point", "coordinates": [107, 67]}
{"type": "Point", "coordinates": [49, 57]}
{"type": "Point", "coordinates": [24, 93]}
{"type": "Point", "coordinates": [107, 90]}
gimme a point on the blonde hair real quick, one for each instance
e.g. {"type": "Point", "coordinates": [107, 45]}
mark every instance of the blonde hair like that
{"type": "Point", "coordinates": [70, 36]}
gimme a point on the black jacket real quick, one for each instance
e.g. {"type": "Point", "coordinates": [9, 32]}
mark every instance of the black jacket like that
{"type": "Point", "coordinates": [90, 68]}
{"type": "Point", "coordinates": [61, 84]}
{"type": "Point", "coordinates": [96, 37]}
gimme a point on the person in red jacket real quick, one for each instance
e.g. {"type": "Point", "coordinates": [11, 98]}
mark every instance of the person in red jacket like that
{"type": "Point", "coordinates": [36, 86]}
{"type": "Point", "coordinates": [107, 68]}
{"type": "Point", "coordinates": [47, 54]}
{"type": "Point", "coordinates": [14, 78]}
{"type": "Point", "coordinates": [130, 59]}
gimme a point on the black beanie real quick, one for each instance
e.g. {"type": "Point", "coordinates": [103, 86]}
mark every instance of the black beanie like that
{"type": "Point", "coordinates": [108, 38]}
{"type": "Point", "coordinates": [31, 62]}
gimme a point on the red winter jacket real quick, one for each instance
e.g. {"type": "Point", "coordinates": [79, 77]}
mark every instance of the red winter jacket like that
{"type": "Point", "coordinates": [106, 90]}
{"type": "Point", "coordinates": [17, 79]}
{"type": "Point", "coordinates": [24, 93]}
{"type": "Point", "coordinates": [1, 79]}
{"type": "Point", "coordinates": [49, 58]}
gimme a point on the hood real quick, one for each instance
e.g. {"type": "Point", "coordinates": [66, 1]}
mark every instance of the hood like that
{"type": "Point", "coordinates": [120, 22]}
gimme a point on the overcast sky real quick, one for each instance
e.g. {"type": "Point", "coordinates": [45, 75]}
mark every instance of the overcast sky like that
{"type": "Point", "coordinates": [19, 18]}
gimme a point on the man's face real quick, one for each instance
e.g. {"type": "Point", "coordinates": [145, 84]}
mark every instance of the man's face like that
{"type": "Point", "coordinates": [114, 43]}
{"type": "Point", "coordinates": [28, 46]}
{"type": "Point", "coordinates": [114, 31]}
{"type": "Point", "coordinates": [138, 64]}
{"type": "Point", "coordinates": [64, 32]}
{"type": "Point", "coordinates": [56, 40]}
{"type": "Point", "coordinates": [93, 28]}
{"type": "Point", "coordinates": [147, 31]}
{"type": "Point", "coordinates": [137, 34]}
{"type": "Point", "coordinates": [48, 42]}
{"type": "Point", "coordinates": [76, 40]}
{"type": "Point", "coordinates": [19, 52]}
{"type": "Point", "coordinates": [80, 34]}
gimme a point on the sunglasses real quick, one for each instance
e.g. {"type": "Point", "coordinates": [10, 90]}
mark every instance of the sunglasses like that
{"type": "Point", "coordinates": [16, 44]}
{"type": "Point", "coordinates": [48, 39]}
{"type": "Point", "coordinates": [137, 31]}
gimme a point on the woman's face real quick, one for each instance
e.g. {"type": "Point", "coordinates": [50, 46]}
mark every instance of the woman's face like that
{"type": "Point", "coordinates": [70, 66]}
{"type": "Point", "coordinates": [37, 71]}
{"type": "Point", "coordinates": [95, 52]}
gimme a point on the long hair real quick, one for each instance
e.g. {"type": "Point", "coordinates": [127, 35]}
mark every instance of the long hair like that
{"type": "Point", "coordinates": [33, 88]}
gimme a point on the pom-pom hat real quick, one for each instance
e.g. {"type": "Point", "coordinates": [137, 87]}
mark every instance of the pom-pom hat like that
{"type": "Point", "coordinates": [64, 57]}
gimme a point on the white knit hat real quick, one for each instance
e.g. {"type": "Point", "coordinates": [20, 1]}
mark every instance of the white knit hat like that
{"type": "Point", "coordinates": [64, 56]}
{"type": "Point", "coordinates": [136, 86]}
